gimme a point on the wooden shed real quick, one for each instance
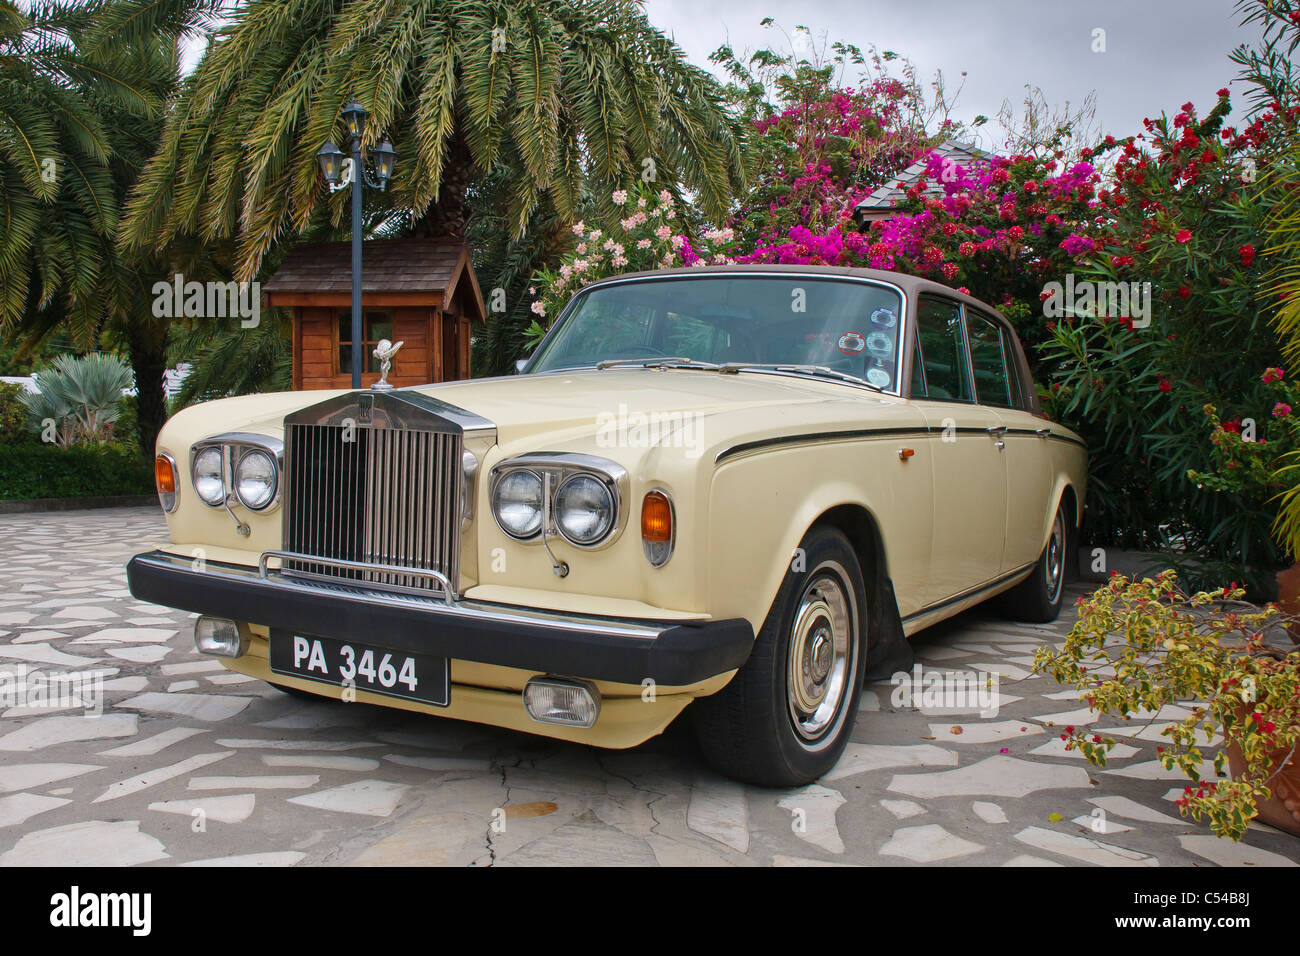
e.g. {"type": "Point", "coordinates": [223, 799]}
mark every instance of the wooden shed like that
{"type": "Point", "coordinates": [422, 292]}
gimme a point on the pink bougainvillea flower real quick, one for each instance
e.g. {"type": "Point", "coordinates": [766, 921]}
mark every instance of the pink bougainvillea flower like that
{"type": "Point", "coordinates": [1271, 375]}
{"type": "Point", "coordinates": [1281, 410]}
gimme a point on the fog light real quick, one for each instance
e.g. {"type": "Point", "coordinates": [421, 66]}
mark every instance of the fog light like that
{"type": "Point", "coordinates": [220, 637]}
{"type": "Point", "coordinates": [552, 700]}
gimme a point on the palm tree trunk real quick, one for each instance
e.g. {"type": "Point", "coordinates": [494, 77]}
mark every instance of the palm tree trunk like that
{"type": "Point", "coordinates": [147, 345]}
{"type": "Point", "coordinates": [448, 217]}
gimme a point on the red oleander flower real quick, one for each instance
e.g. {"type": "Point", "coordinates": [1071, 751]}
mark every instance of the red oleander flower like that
{"type": "Point", "coordinates": [1184, 235]}
{"type": "Point", "coordinates": [1166, 385]}
{"type": "Point", "coordinates": [1247, 253]}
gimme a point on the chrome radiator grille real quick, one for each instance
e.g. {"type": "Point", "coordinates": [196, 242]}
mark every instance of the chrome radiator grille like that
{"type": "Point", "coordinates": [389, 496]}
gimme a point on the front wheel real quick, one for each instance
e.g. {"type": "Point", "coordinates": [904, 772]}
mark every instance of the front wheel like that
{"type": "Point", "coordinates": [1037, 598]}
{"type": "Point", "coordinates": [787, 714]}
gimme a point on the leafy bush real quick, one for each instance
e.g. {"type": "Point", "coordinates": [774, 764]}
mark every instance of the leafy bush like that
{"type": "Point", "coordinates": [77, 471]}
{"type": "Point", "coordinates": [1210, 653]}
{"type": "Point", "coordinates": [14, 428]}
{"type": "Point", "coordinates": [1185, 214]}
{"type": "Point", "coordinates": [83, 396]}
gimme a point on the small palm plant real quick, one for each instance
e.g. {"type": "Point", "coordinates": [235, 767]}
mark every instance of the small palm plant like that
{"type": "Point", "coordinates": [80, 398]}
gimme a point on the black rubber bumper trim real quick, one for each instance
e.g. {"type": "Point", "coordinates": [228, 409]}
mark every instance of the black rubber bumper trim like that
{"type": "Point", "coordinates": [668, 653]}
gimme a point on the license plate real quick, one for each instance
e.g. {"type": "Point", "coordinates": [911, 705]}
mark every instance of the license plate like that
{"type": "Point", "coordinates": [418, 677]}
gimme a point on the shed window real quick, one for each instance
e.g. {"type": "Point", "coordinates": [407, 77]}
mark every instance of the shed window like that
{"type": "Point", "coordinates": [375, 326]}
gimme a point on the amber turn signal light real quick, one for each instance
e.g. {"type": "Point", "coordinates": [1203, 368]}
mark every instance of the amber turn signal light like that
{"type": "Point", "coordinates": [656, 518]}
{"type": "Point", "coordinates": [164, 476]}
{"type": "Point", "coordinates": [657, 528]}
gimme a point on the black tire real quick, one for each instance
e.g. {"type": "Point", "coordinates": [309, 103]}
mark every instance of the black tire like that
{"type": "Point", "coordinates": [1037, 599]}
{"type": "Point", "coordinates": [756, 729]}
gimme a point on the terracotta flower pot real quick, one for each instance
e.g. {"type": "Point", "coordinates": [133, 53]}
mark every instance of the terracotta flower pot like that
{"type": "Point", "coordinates": [1282, 809]}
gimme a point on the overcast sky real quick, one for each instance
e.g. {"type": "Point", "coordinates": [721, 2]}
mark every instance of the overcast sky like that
{"type": "Point", "coordinates": [1159, 53]}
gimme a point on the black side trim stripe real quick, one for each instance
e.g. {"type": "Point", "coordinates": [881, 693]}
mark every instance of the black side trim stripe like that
{"type": "Point", "coordinates": [969, 593]}
{"type": "Point", "coordinates": [862, 433]}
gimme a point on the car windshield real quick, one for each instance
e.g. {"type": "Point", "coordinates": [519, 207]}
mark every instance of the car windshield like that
{"type": "Point", "coordinates": [846, 325]}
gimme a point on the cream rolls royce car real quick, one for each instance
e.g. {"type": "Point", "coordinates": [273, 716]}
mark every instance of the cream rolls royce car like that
{"type": "Point", "coordinates": [737, 489]}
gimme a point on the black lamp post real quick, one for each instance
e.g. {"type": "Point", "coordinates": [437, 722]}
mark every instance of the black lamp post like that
{"type": "Point", "coordinates": [331, 164]}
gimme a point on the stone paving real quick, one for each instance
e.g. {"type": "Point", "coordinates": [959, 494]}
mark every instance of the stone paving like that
{"type": "Point", "coordinates": [192, 765]}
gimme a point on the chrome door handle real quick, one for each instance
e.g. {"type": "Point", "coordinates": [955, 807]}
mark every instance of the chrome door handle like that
{"type": "Point", "coordinates": [1043, 432]}
{"type": "Point", "coordinates": [996, 430]}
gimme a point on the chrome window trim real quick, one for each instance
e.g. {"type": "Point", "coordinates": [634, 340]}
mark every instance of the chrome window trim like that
{"type": "Point", "coordinates": [563, 466]}
{"type": "Point", "coordinates": [904, 316]}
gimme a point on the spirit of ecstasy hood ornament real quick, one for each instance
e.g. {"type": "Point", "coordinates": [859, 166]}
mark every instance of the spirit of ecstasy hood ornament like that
{"type": "Point", "coordinates": [384, 351]}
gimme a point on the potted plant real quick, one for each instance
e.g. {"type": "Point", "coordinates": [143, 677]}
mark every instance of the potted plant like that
{"type": "Point", "coordinates": [1138, 646]}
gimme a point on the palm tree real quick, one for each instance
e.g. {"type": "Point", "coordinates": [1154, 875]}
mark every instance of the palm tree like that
{"type": "Point", "coordinates": [79, 116]}
{"type": "Point", "coordinates": [550, 95]}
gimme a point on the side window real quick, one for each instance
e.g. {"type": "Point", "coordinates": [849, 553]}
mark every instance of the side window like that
{"type": "Point", "coordinates": [943, 351]}
{"type": "Point", "coordinates": [987, 355]}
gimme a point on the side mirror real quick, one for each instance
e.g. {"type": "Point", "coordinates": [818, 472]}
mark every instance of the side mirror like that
{"type": "Point", "coordinates": [520, 365]}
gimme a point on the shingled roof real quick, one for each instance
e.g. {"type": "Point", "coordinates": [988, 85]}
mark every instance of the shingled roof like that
{"type": "Point", "coordinates": [880, 204]}
{"type": "Point", "coordinates": [387, 265]}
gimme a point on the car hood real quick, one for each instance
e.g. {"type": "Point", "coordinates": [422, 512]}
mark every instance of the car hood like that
{"type": "Point", "coordinates": [589, 409]}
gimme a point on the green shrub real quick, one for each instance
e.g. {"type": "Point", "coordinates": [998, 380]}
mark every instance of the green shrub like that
{"type": "Point", "coordinates": [14, 429]}
{"type": "Point", "coordinates": [78, 471]}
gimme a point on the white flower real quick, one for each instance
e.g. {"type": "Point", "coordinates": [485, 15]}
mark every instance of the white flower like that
{"type": "Point", "coordinates": [643, 244]}
{"type": "Point", "coordinates": [579, 228]}
{"type": "Point", "coordinates": [539, 308]}
{"type": "Point", "coordinates": [641, 202]}
{"type": "Point", "coordinates": [619, 197]}
{"type": "Point", "coordinates": [665, 197]}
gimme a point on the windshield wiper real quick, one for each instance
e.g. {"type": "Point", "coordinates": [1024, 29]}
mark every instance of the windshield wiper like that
{"type": "Point", "coordinates": [731, 368]}
{"type": "Point", "coordinates": [666, 361]}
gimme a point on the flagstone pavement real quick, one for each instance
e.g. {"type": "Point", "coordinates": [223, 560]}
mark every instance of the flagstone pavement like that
{"type": "Point", "coordinates": [190, 764]}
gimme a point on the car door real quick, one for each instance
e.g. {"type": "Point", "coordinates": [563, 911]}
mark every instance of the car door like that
{"type": "Point", "coordinates": [999, 383]}
{"type": "Point", "coordinates": [966, 442]}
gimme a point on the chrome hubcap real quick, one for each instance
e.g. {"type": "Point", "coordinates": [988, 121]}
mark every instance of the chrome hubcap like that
{"type": "Point", "coordinates": [1054, 559]}
{"type": "Point", "coordinates": [821, 655]}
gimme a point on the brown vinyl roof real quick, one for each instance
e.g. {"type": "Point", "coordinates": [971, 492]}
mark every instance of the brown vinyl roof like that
{"type": "Point", "coordinates": [387, 265]}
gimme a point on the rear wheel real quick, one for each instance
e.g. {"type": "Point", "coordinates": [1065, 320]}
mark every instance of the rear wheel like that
{"type": "Point", "coordinates": [1038, 597]}
{"type": "Point", "coordinates": [787, 714]}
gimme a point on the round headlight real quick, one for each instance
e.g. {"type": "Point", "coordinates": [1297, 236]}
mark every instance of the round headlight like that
{"type": "Point", "coordinates": [255, 480]}
{"type": "Point", "coordinates": [208, 481]}
{"type": "Point", "coordinates": [517, 504]}
{"type": "Point", "coordinates": [584, 509]}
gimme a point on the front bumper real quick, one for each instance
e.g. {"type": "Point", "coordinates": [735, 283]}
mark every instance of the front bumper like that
{"type": "Point", "coordinates": [617, 650]}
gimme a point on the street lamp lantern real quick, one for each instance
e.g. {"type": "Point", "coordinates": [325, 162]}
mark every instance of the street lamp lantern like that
{"type": "Point", "coordinates": [331, 159]}
{"type": "Point", "coordinates": [385, 156]}
{"type": "Point", "coordinates": [331, 163]}
{"type": "Point", "coordinates": [354, 115]}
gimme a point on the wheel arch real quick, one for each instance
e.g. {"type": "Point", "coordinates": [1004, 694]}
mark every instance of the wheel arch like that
{"type": "Point", "coordinates": [888, 650]}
